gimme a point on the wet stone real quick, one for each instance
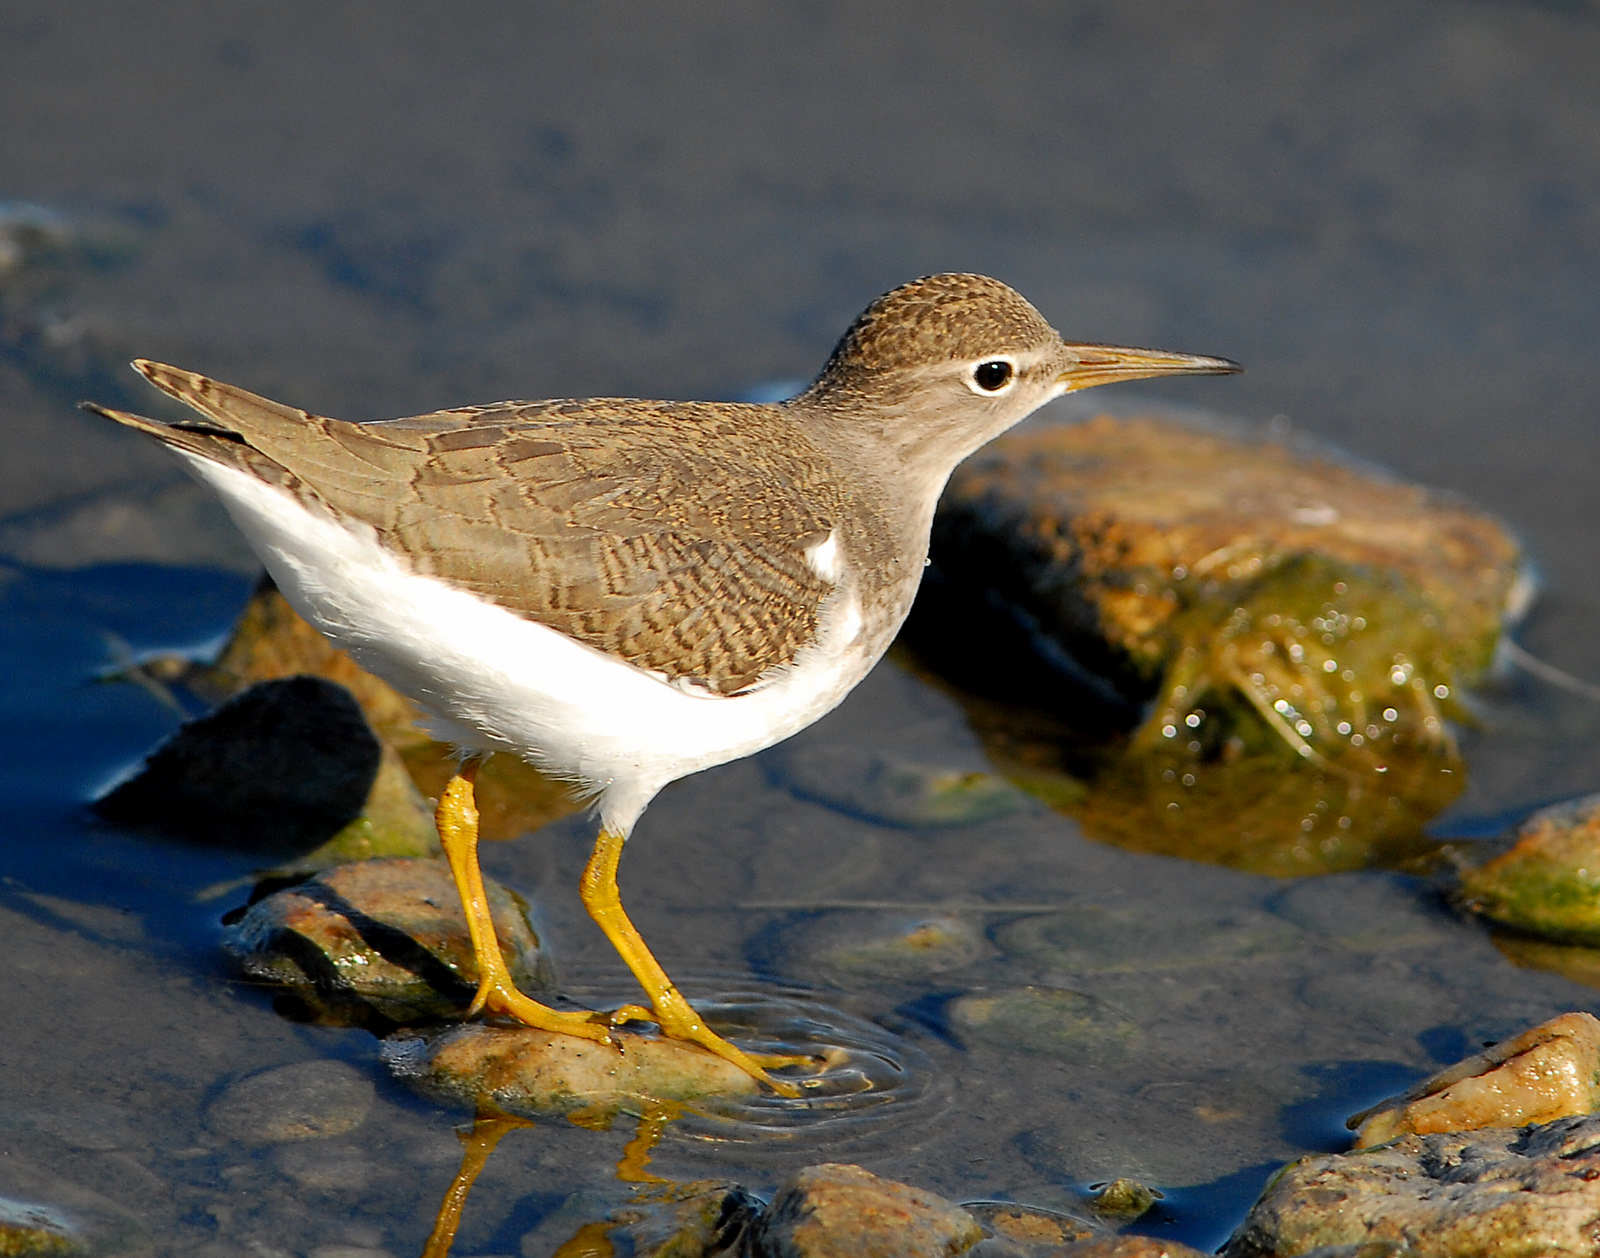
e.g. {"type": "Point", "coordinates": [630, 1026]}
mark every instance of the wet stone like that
{"type": "Point", "coordinates": [851, 946]}
{"type": "Point", "coordinates": [1528, 1193]}
{"type": "Point", "coordinates": [386, 936]}
{"type": "Point", "coordinates": [1125, 1199]}
{"type": "Point", "coordinates": [1546, 879]}
{"type": "Point", "coordinates": [304, 1101]}
{"type": "Point", "coordinates": [283, 768]}
{"type": "Point", "coordinates": [691, 1220]}
{"type": "Point", "coordinates": [1262, 644]}
{"type": "Point", "coordinates": [1551, 1071]}
{"type": "Point", "coordinates": [891, 790]}
{"type": "Point", "coordinates": [529, 1073]}
{"type": "Point", "coordinates": [1050, 1020]}
{"type": "Point", "coordinates": [841, 1211]}
{"type": "Point", "coordinates": [1110, 938]}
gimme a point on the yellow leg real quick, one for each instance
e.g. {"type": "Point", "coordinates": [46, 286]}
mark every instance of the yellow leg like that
{"type": "Point", "coordinates": [458, 833]}
{"type": "Point", "coordinates": [674, 1014]}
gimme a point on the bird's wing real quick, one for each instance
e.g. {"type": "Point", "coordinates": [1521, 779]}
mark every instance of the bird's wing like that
{"type": "Point", "coordinates": [638, 528]}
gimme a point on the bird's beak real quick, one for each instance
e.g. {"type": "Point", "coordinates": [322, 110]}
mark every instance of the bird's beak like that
{"type": "Point", "coordinates": [1089, 365]}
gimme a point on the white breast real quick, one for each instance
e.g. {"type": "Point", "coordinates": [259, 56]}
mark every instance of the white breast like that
{"type": "Point", "coordinates": [493, 680]}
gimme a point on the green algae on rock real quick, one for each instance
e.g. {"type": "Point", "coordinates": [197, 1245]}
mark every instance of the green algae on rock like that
{"type": "Point", "coordinates": [1550, 1071]}
{"type": "Point", "coordinates": [528, 1073]}
{"type": "Point", "coordinates": [1294, 632]}
{"type": "Point", "coordinates": [1546, 880]}
{"type": "Point", "coordinates": [384, 937]}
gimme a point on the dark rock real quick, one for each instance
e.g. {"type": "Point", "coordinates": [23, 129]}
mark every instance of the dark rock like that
{"type": "Point", "coordinates": [281, 767]}
{"type": "Point", "coordinates": [841, 1211]}
{"type": "Point", "coordinates": [703, 1219]}
{"type": "Point", "coordinates": [304, 1101]}
{"type": "Point", "coordinates": [1528, 1193]}
{"type": "Point", "coordinates": [383, 936]}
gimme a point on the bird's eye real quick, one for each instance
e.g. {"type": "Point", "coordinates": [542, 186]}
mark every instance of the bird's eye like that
{"type": "Point", "coordinates": [993, 375]}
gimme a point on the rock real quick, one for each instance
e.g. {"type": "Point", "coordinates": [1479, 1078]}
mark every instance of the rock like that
{"type": "Point", "coordinates": [1125, 1199]}
{"type": "Point", "coordinates": [272, 641]}
{"type": "Point", "coordinates": [1546, 879]}
{"type": "Point", "coordinates": [1127, 937]}
{"type": "Point", "coordinates": [1528, 1193]}
{"type": "Point", "coordinates": [285, 767]}
{"type": "Point", "coordinates": [1549, 1072]}
{"type": "Point", "coordinates": [841, 1211]}
{"type": "Point", "coordinates": [1051, 1020]}
{"type": "Point", "coordinates": [304, 1101]}
{"type": "Point", "coordinates": [851, 946]}
{"type": "Point", "coordinates": [1137, 1247]}
{"type": "Point", "coordinates": [1030, 1226]}
{"type": "Point", "coordinates": [530, 1073]}
{"type": "Point", "coordinates": [691, 1220]}
{"type": "Point", "coordinates": [1575, 962]}
{"type": "Point", "coordinates": [1284, 635]}
{"type": "Point", "coordinates": [384, 936]}
{"type": "Point", "coordinates": [889, 789]}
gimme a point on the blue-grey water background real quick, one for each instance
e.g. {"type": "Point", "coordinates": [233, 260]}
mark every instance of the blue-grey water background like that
{"type": "Point", "coordinates": [1389, 212]}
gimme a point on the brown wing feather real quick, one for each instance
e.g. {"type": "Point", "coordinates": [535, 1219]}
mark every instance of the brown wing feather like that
{"type": "Point", "coordinates": [644, 529]}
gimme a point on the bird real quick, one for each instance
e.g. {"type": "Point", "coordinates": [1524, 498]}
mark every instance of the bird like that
{"type": "Point", "coordinates": [624, 591]}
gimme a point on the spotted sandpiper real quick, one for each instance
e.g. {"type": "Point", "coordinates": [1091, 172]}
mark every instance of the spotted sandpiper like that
{"type": "Point", "coordinates": [625, 591]}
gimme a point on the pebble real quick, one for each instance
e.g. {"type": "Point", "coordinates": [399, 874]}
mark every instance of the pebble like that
{"type": "Point", "coordinates": [529, 1073]}
{"type": "Point", "coordinates": [1125, 1199]}
{"type": "Point", "coordinates": [891, 790]}
{"type": "Point", "coordinates": [382, 936]}
{"type": "Point", "coordinates": [850, 946]}
{"type": "Point", "coordinates": [1109, 938]}
{"type": "Point", "coordinates": [1496, 1194]}
{"type": "Point", "coordinates": [308, 1100]}
{"type": "Point", "coordinates": [1551, 1071]}
{"type": "Point", "coordinates": [1029, 1225]}
{"type": "Point", "coordinates": [841, 1211]}
{"type": "Point", "coordinates": [1545, 878]}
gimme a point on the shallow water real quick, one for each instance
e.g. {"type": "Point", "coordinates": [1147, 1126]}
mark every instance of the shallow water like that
{"type": "Point", "coordinates": [1387, 216]}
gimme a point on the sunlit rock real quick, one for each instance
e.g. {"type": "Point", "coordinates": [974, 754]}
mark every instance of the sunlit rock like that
{"type": "Point", "coordinates": [1051, 1020]}
{"type": "Point", "coordinates": [1255, 649]}
{"type": "Point", "coordinates": [530, 1073]}
{"type": "Point", "coordinates": [386, 937]}
{"type": "Point", "coordinates": [1546, 880]}
{"type": "Point", "coordinates": [1549, 1072]}
{"type": "Point", "coordinates": [1529, 1193]}
{"type": "Point", "coordinates": [841, 1211]}
{"type": "Point", "coordinates": [308, 1100]}
{"type": "Point", "coordinates": [1125, 1199]}
{"type": "Point", "coordinates": [288, 768]}
{"type": "Point", "coordinates": [889, 789]}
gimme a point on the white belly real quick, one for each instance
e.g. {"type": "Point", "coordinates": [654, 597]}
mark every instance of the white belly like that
{"type": "Point", "coordinates": [493, 680]}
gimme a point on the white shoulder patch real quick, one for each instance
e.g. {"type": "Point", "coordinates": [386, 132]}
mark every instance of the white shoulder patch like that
{"type": "Point", "coordinates": [823, 557]}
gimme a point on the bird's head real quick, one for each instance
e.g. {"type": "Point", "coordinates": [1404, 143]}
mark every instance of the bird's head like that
{"type": "Point", "coordinates": [944, 363]}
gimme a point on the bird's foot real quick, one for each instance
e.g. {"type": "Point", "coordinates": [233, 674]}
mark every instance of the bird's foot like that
{"type": "Point", "coordinates": [678, 1021]}
{"type": "Point", "coordinates": [502, 998]}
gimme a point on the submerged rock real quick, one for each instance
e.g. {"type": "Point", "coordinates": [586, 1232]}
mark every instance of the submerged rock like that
{"type": "Point", "coordinates": [892, 790]}
{"type": "Point", "coordinates": [702, 1219]}
{"type": "Point", "coordinates": [1546, 879]}
{"type": "Point", "coordinates": [530, 1073]}
{"type": "Point", "coordinates": [1283, 636]}
{"type": "Point", "coordinates": [1050, 1020]}
{"type": "Point", "coordinates": [1528, 1193]}
{"type": "Point", "coordinates": [386, 937]}
{"type": "Point", "coordinates": [286, 768]}
{"type": "Point", "coordinates": [45, 1216]}
{"type": "Point", "coordinates": [841, 1211]}
{"type": "Point", "coordinates": [1028, 1226]}
{"type": "Point", "coordinates": [305, 1101]}
{"type": "Point", "coordinates": [1549, 1072]}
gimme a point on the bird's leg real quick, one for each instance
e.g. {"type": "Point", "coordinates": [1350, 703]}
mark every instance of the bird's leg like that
{"type": "Point", "coordinates": [457, 818]}
{"type": "Point", "coordinates": [672, 1012]}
